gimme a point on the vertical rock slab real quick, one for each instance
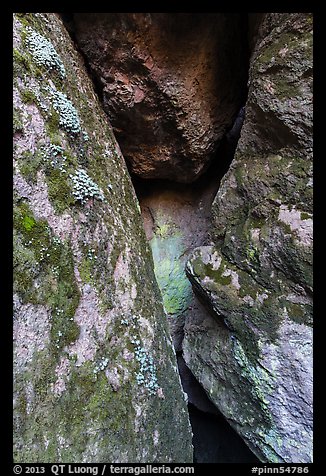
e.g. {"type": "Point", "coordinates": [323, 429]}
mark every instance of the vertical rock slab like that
{"type": "Point", "coordinates": [172, 84]}
{"type": "Point", "coordinates": [254, 355]}
{"type": "Point", "coordinates": [95, 376]}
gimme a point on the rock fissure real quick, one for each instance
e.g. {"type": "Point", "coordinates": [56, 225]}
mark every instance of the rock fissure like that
{"type": "Point", "coordinates": [199, 254]}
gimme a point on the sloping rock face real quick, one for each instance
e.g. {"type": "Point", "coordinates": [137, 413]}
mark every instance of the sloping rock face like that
{"type": "Point", "coordinates": [95, 375]}
{"type": "Point", "coordinates": [255, 357]}
{"type": "Point", "coordinates": [172, 84]}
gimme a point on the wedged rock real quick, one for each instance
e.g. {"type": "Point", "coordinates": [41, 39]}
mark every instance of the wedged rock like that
{"type": "Point", "coordinates": [95, 374]}
{"type": "Point", "coordinates": [172, 84]}
{"type": "Point", "coordinates": [254, 359]}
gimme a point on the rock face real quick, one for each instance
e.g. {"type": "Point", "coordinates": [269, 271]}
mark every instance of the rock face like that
{"type": "Point", "coordinates": [172, 84]}
{"type": "Point", "coordinates": [174, 224]}
{"type": "Point", "coordinates": [95, 371]}
{"type": "Point", "coordinates": [255, 357]}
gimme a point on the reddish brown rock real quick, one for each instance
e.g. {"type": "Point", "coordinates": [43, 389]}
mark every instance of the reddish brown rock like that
{"type": "Point", "coordinates": [172, 84]}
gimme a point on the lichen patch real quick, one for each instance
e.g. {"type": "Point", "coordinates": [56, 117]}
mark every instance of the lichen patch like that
{"type": "Point", "coordinates": [302, 228]}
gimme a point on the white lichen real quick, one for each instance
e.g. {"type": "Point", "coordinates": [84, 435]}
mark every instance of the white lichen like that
{"type": "Point", "coordinates": [303, 229]}
{"type": "Point", "coordinates": [146, 375]}
{"type": "Point", "coordinates": [55, 154]}
{"type": "Point", "coordinates": [84, 187]}
{"type": "Point", "coordinates": [68, 115]}
{"type": "Point", "coordinates": [101, 365]}
{"type": "Point", "coordinates": [43, 52]}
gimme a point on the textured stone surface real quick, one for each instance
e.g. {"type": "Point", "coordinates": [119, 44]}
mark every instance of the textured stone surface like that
{"type": "Point", "coordinates": [176, 220]}
{"type": "Point", "coordinates": [95, 372]}
{"type": "Point", "coordinates": [255, 357]}
{"type": "Point", "coordinates": [172, 84]}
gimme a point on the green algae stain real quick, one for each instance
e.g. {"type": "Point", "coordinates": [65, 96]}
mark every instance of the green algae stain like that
{"type": "Point", "coordinates": [169, 268]}
{"type": "Point", "coordinates": [162, 231]}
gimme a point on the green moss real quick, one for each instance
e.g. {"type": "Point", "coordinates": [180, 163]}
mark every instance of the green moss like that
{"type": "Point", "coordinates": [17, 121]}
{"type": "Point", "coordinates": [52, 126]}
{"type": "Point", "coordinates": [268, 317]}
{"type": "Point", "coordinates": [285, 226]}
{"type": "Point", "coordinates": [21, 405]}
{"type": "Point", "coordinates": [44, 375]}
{"type": "Point", "coordinates": [300, 313]}
{"type": "Point", "coordinates": [64, 302]}
{"type": "Point", "coordinates": [56, 175]}
{"type": "Point", "coordinates": [25, 267]}
{"type": "Point", "coordinates": [170, 273]}
{"type": "Point", "coordinates": [305, 216]}
{"type": "Point", "coordinates": [163, 230]}
{"type": "Point", "coordinates": [33, 427]}
{"type": "Point", "coordinates": [286, 39]}
{"type": "Point", "coordinates": [284, 87]}
{"type": "Point", "coordinates": [255, 221]}
{"type": "Point", "coordinates": [29, 164]}
{"type": "Point", "coordinates": [21, 63]}
{"type": "Point", "coordinates": [256, 376]}
{"type": "Point", "coordinates": [309, 19]}
{"type": "Point", "coordinates": [28, 19]}
{"type": "Point", "coordinates": [40, 257]}
{"type": "Point", "coordinates": [241, 317]}
{"type": "Point", "coordinates": [28, 96]}
{"type": "Point", "coordinates": [85, 270]}
{"type": "Point", "coordinates": [87, 398]}
{"type": "Point", "coordinates": [201, 270]}
{"type": "Point", "coordinates": [59, 189]}
{"type": "Point", "coordinates": [252, 253]}
{"type": "Point", "coordinates": [28, 222]}
{"type": "Point", "coordinates": [248, 287]}
{"type": "Point", "coordinates": [239, 174]}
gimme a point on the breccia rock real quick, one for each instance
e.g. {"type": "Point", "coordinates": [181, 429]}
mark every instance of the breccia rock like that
{"type": "Point", "coordinates": [255, 358]}
{"type": "Point", "coordinates": [172, 84]}
{"type": "Point", "coordinates": [95, 375]}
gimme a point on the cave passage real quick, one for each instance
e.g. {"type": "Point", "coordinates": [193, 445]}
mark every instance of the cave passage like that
{"type": "Point", "coordinates": [172, 206]}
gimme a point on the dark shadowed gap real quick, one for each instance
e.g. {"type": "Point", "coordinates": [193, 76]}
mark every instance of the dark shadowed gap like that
{"type": "Point", "coordinates": [214, 440]}
{"type": "Point", "coordinates": [207, 184]}
{"type": "Point", "coordinates": [68, 21]}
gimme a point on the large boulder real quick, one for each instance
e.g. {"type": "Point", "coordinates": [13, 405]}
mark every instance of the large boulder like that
{"type": "Point", "coordinates": [254, 355]}
{"type": "Point", "coordinates": [95, 374]}
{"type": "Point", "coordinates": [172, 84]}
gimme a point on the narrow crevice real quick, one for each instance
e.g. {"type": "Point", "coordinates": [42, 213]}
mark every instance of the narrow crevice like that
{"type": "Point", "coordinates": [68, 21]}
{"type": "Point", "coordinates": [180, 213]}
{"type": "Point", "coordinates": [188, 206]}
